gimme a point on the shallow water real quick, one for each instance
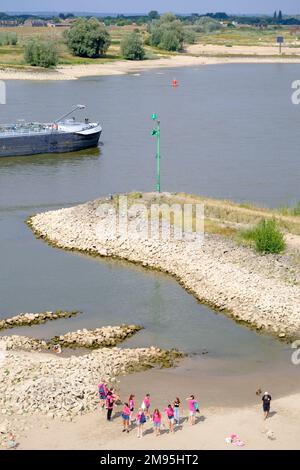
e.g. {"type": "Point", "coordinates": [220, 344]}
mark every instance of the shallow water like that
{"type": "Point", "coordinates": [227, 131]}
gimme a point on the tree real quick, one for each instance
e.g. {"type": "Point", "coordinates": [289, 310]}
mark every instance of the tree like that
{"type": "Point", "coordinates": [153, 15]}
{"type": "Point", "coordinates": [87, 38]}
{"type": "Point", "coordinates": [168, 18]}
{"type": "Point", "coordinates": [132, 47]}
{"type": "Point", "coordinates": [206, 24]}
{"type": "Point", "coordinates": [41, 54]}
{"type": "Point", "coordinates": [170, 41]}
{"type": "Point", "coordinates": [167, 33]}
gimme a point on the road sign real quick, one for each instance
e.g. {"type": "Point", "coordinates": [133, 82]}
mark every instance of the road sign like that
{"type": "Point", "coordinates": [280, 41]}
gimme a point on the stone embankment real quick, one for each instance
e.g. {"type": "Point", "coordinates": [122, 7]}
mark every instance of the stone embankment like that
{"type": "Point", "coordinates": [67, 387]}
{"type": "Point", "coordinates": [29, 319]}
{"type": "Point", "coordinates": [108, 336]}
{"type": "Point", "coordinates": [99, 338]}
{"type": "Point", "coordinates": [261, 291]}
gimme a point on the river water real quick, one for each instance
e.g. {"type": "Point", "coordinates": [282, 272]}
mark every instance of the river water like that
{"type": "Point", "coordinates": [227, 131]}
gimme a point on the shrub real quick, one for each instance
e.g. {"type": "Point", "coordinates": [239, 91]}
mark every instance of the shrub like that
{"type": "Point", "coordinates": [40, 53]}
{"type": "Point", "coordinates": [189, 36]}
{"type": "Point", "coordinates": [132, 47]}
{"type": "Point", "coordinates": [205, 25]}
{"type": "Point", "coordinates": [266, 236]}
{"type": "Point", "coordinates": [87, 38]}
{"type": "Point", "coordinates": [8, 39]}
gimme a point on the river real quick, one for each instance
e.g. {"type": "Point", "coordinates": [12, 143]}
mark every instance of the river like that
{"type": "Point", "coordinates": [228, 131]}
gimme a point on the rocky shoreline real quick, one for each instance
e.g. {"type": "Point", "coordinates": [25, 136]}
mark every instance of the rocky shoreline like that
{"type": "Point", "coordinates": [31, 383]}
{"type": "Point", "coordinates": [105, 337]}
{"type": "Point", "coordinates": [29, 319]}
{"type": "Point", "coordinates": [260, 291]}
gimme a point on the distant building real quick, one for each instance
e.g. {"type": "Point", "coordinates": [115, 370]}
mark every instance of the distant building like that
{"type": "Point", "coordinates": [8, 23]}
{"type": "Point", "coordinates": [62, 24]}
{"type": "Point", "coordinates": [35, 23]}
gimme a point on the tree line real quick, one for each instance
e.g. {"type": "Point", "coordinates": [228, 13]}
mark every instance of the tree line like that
{"type": "Point", "coordinates": [89, 38]}
{"type": "Point", "coordinates": [123, 20]}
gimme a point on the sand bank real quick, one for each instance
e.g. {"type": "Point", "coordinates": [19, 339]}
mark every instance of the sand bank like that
{"type": "Point", "coordinates": [90, 430]}
{"type": "Point", "coordinates": [93, 432]}
{"type": "Point", "coordinates": [123, 67]}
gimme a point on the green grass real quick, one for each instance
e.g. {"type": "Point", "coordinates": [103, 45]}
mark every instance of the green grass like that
{"type": "Point", "coordinates": [246, 36]}
{"type": "Point", "coordinates": [13, 55]}
{"type": "Point", "coordinates": [293, 211]}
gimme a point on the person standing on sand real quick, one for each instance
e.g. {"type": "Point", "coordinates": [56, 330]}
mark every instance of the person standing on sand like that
{"type": "Point", "coordinates": [192, 409]}
{"type": "Point", "coordinates": [146, 405]}
{"type": "Point", "coordinates": [156, 418]}
{"type": "Point", "coordinates": [140, 421]}
{"type": "Point", "coordinates": [266, 399]}
{"type": "Point", "coordinates": [131, 407]}
{"type": "Point", "coordinates": [102, 390]}
{"type": "Point", "coordinates": [110, 401]}
{"type": "Point", "coordinates": [177, 406]}
{"type": "Point", "coordinates": [170, 415]}
{"type": "Point", "coordinates": [126, 417]}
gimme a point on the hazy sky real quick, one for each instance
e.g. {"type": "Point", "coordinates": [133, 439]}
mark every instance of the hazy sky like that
{"type": "Point", "coordinates": [129, 6]}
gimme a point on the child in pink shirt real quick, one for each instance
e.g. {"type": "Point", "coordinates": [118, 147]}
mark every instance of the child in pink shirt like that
{"type": "Point", "coordinates": [193, 407]}
{"type": "Point", "coordinates": [156, 418]}
{"type": "Point", "coordinates": [170, 415]}
{"type": "Point", "coordinates": [126, 417]}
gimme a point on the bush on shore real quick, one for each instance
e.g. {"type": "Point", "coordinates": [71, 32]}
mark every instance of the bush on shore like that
{"type": "Point", "coordinates": [132, 47]}
{"type": "Point", "coordinates": [189, 36]}
{"type": "Point", "coordinates": [41, 54]}
{"type": "Point", "coordinates": [87, 38]}
{"type": "Point", "coordinates": [266, 236]}
{"type": "Point", "coordinates": [8, 39]}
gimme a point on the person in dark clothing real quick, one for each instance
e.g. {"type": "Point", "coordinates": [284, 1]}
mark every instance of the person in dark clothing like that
{"type": "Point", "coordinates": [266, 399]}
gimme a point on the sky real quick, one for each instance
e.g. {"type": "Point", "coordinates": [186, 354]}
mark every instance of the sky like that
{"type": "Point", "coordinates": [144, 6]}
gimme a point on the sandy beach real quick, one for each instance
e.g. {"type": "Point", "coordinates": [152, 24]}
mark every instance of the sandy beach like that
{"type": "Point", "coordinates": [195, 56]}
{"type": "Point", "coordinates": [228, 406]}
{"type": "Point", "coordinates": [92, 431]}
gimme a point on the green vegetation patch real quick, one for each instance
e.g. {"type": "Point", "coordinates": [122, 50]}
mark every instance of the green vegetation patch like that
{"type": "Point", "coordinates": [266, 236]}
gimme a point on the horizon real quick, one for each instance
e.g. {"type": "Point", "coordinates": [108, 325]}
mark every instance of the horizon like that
{"type": "Point", "coordinates": [134, 13]}
{"type": "Point", "coordinates": [133, 7]}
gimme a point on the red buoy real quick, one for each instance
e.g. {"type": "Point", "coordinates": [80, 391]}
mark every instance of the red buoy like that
{"type": "Point", "coordinates": [174, 83]}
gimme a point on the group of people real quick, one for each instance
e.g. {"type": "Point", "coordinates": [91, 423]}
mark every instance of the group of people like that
{"type": "Point", "coordinates": [109, 398]}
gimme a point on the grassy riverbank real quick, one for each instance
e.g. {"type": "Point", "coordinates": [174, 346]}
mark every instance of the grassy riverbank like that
{"type": "Point", "coordinates": [239, 45]}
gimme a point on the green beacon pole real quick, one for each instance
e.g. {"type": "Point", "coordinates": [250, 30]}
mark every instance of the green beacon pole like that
{"type": "Point", "coordinates": [156, 133]}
